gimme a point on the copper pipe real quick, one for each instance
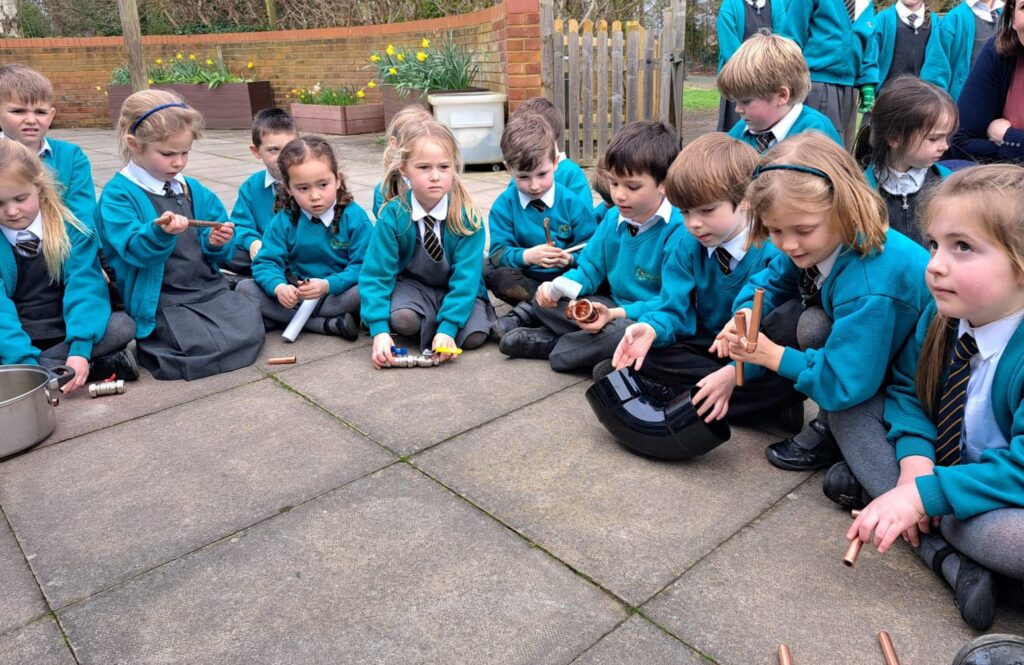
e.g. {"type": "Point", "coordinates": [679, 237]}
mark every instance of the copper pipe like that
{"type": "Point", "coordinates": [852, 552]}
{"type": "Point", "coordinates": [854, 514]}
{"type": "Point", "coordinates": [192, 222]}
{"type": "Point", "coordinates": [755, 320]}
{"type": "Point", "coordinates": [785, 656]}
{"type": "Point", "coordinates": [582, 311]}
{"type": "Point", "coordinates": [547, 231]}
{"type": "Point", "coordinates": [888, 650]}
{"type": "Point", "coordinates": [741, 329]}
{"type": "Point", "coordinates": [283, 360]}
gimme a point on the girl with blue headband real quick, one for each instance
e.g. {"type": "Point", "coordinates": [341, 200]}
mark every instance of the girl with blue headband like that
{"type": "Point", "coordinates": [190, 324]}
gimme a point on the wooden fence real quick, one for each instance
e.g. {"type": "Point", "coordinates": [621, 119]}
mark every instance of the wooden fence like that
{"type": "Point", "coordinates": [603, 76]}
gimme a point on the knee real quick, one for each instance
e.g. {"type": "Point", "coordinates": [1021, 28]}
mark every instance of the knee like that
{"type": "Point", "coordinates": [405, 322]}
{"type": "Point", "coordinates": [250, 289]}
{"type": "Point", "coordinates": [813, 328]}
{"type": "Point", "coordinates": [474, 340]}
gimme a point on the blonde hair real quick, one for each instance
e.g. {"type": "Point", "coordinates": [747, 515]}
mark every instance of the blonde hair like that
{"type": "Point", "coordinates": [394, 137]}
{"type": "Point", "coordinates": [992, 197]}
{"type": "Point", "coordinates": [763, 65]}
{"type": "Point", "coordinates": [24, 83]}
{"type": "Point", "coordinates": [713, 168]}
{"type": "Point", "coordinates": [157, 126]}
{"type": "Point", "coordinates": [463, 218]}
{"type": "Point", "coordinates": [830, 182]}
{"type": "Point", "coordinates": [18, 163]}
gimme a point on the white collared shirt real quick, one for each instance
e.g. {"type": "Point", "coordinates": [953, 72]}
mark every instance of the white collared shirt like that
{"type": "Point", "coordinates": [43, 148]}
{"type": "Point", "coordinates": [980, 431]}
{"type": "Point", "coordinates": [736, 248]}
{"type": "Point", "coordinates": [983, 11]}
{"type": "Point", "coordinates": [145, 180]}
{"type": "Point", "coordinates": [269, 180]}
{"type": "Point", "coordinates": [561, 156]}
{"type": "Point", "coordinates": [664, 212]}
{"type": "Point", "coordinates": [756, 4]}
{"type": "Point", "coordinates": [547, 197]}
{"type": "Point", "coordinates": [900, 183]}
{"type": "Point", "coordinates": [326, 217]}
{"type": "Point", "coordinates": [782, 128]}
{"type": "Point", "coordinates": [35, 227]}
{"type": "Point", "coordinates": [826, 266]}
{"type": "Point", "coordinates": [439, 213]}
{"type": "Point", "coordinates": [905, 14]}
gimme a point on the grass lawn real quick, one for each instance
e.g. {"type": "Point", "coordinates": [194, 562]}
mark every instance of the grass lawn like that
{"type": "Point", "coordinates": [700, 99]}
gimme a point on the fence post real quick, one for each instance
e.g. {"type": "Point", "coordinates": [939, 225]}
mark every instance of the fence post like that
{"type": "Point", "coordinates": [616, 76]}
{"type": "Point", "coordinates": [665, 89]}
{"type": "Point", "coordinates": [547, 53]}
{"type": "Point", "coordinates": [573, 115]}
{"type": "Point", "coordinates": [632, 68]}
{"type": "Point", "coordinates": [587, 90]}
{"type": "Point", "coordinates": [602, 87]}
{"type": "Point", "coordinates": [679, 67]}
{"type": "Point", "coordinates": [558, 70]}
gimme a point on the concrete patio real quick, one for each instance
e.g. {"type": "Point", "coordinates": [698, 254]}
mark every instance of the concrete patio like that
{"type": "Point", "coordinates": [325, 512]}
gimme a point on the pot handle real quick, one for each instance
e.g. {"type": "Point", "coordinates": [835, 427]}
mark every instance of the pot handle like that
{"type": "Point", "coordinates": [63, 374]}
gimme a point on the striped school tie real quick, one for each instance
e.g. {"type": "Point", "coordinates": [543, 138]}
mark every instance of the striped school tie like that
{"type": "Point", "coordinates": [724, 260]}
{"type": "Point", "coordinates": [950, 419]}
{"type": "Point", "coordinates": [168, 190]}
{"type": "Point", "coordinates": [808, 282]}
{"type": "Point", "coordinates": [538, 205]}
{"type": "Point", "coordinates": [851, 9]}
{"type": "Point", "coordinates": [912, 22]}
{"type": "Point", "coordinates": [27, 244]}
{"type": "Point", "coordinates": [763, 140]}
{"type": "Point", "coordinates": [995, 17]}
{"type": "Point", "coordinates": [430, 241]}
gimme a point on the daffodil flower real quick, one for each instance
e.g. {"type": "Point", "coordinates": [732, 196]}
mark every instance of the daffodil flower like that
{"type": "Point", "coordinates": [360, 94]}
{"type": "Point", "coordinates": [159, 61]}
{"type": "Point", "coordinates": [374, 58]}
{"type": "Point", "coordinates": [421, 56]}
{"type": "Point", "coordinates": [98, 88]}
{"type": "Point", "coordinates": [209, 62]}
{"type": "Point", "coordinates": [151, 81]}
{"type": "Point", "coordinates": [371, 84]}
{"type": "Point", "coordinates": [425, 43]}
{"type": "Point", "coordinates": [390, 50]}
{"type": "Point", "coordinates": [401, 58]}
{"type": "Point", "coordinates": [392, 71]}
{"type": "Point", "coordinates": [191, 56]}
{"type": "Point", "coordinates": [179, 56]}
{"type": "Point", "coordinates": [250, 65]}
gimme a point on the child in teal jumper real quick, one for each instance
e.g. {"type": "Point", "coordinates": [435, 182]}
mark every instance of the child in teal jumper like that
{"type": "Point", "coordinates": [533, 223]}
{"type": "Point", "coordinates": [903, 33]}
{"type": "Point", "coordinates": [955, 405]}
{"type": "Point", "coordinates": [909, 131]}
{"type": "Point", "coordinates": [857, 289]}
{"type": "Point", "coordinates": [190, 323]}
{"type": "Point", "coordinates": [261, 196]}
{"type": "Point", "coordinates": [319, 240]}
{"type": "Point", "coordinates": [738, 21]}
{"type": "Point", "coordinates": [423, 272]}
{"type": "Point", "coordinates": [627, 251]}
{"type": "Point", "coordinates": [703, 275]}
{"type": "Point", "coordinates": [54, 308]}
{"type": "Point", "coordinates": [961, 34]}
{"type": "Point", "coordinates": [768, 80]}
{"type": "Point", "coordinates": [568, 174]}
{"type": "Point", "coordinates": [395, 135]}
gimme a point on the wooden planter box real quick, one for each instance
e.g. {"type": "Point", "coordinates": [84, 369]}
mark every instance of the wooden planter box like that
{"type": "Point", "coordinates": [228, 106]}
{"type": "Point", "coordinates": [395, 101]}
{"type": "Point", "coordinates": [357, 119]}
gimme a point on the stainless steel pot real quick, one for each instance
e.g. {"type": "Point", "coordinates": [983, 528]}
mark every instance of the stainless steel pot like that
{"type": "Point", "coordinates": [28, 394]}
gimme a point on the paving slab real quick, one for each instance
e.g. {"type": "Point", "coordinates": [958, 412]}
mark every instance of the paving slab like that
{"type": "Point", "coordinates": [418, 407]}
{"type": "Point", "coordinates": [20, 601]}
{"type": "Point", "coordinates": [639, 642]}
{"type": "Point", "coordinates": [309, 347]}
{"type": "Point", "coordinates": [112, 504]}
{"type": "Point", "coordinates": [782, 580]}
{"type": "Point", "coordinates": [390, 569]}
{"type": "Point", "coordinates": [39, 643]}
{"type": "Point", "coordinates": [632, 524]}
{"type": "Point", "coordinates": [80, 414]}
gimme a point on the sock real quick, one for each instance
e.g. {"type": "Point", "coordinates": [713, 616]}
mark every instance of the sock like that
{"type": "Point", "coordinates": [931, 545]}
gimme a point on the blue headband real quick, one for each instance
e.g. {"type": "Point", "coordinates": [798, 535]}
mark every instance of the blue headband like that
{"type": "Point", "coordinates": [810, 170]}
{"type": "Point", "coordinates": [135, 125]}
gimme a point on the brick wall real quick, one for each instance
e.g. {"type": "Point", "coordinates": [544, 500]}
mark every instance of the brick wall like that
{"type": "Point", "coordinates": [506, 37]}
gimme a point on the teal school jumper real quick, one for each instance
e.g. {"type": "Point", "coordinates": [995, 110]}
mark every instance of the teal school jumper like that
{"type": "Point", "coordinates": [515, 229]}
{"type": "Point", "coordinates": [137, 248]}
{"type": "Point", "coordinates": [308, 250]}
{"type": "Point", "coordinates": [837, 51]}
{"type": "Point", "coordinates": [809, 119]}
{"type": "Point", "coordinates": [997, 479]}
{"type": "Point", "coordinates": [874, 302]}
{"type": "Point", "coordinates": [885, 38]}
{"type": "Point", "coordinates": [632, 265]}
{"type": "Point", "coordinates": [391, 248]}
{"type": "Point", "coordinates": [731, 25]}
{"type": "Point", "coordinates": [74, 172]}
{"type": "Point", "coordinates": [697, 297]}
{"type": "Point", "coordinates": [253, 209]}
{"type": "Point", "coordinates": [947, 61]}
{"type": "Point", "coordinates": [568, 174]}
{"type": "Point", "coordinates": [86, 301]}
{"type": "Point", "coordinates": [378, 200]}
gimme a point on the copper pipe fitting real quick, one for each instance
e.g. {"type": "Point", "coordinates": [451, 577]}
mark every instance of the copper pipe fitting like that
{"type": "Point", "coordinates": [785, 656]}
{"type": "Point", "coordinates": [755, 320]}
{"type": "Point", "coordinates": [283, 360]}
{"type": "Point", "coordinates": [106, 388]}
{"type": "Point", "coordinates": [581, 311]}
{"type": "Point", "coordinates": [888, 650]}
{"type": "Point", "coordinates": [547, 231]}
{"type": "Point", "coordinates": [741, 329]}
{"type": "Point", "coordinates": [852, 552]}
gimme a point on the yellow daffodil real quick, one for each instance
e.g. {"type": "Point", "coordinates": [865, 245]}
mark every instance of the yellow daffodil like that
{"type": "Point", "coordinates": [401, 58]}
{"type": "Point", "coordinates": [392, 71]}
{"type": "Point", "coordinates": [390, 50]}
{"type": "Point", "coordinates": [360, 94]}
{"type": "Point", "coordinates": [99, 87]}
{"type": "Point", "coordinates": [209, 62]}
{"type": "Point", "coordinates": [151, 81]}
{"type": "Point", "coordinates": [250, 65]}
{"type": "Point", "coordinates": [371, 84]}
{"type": "Point", "coordinates": [294, 91]}
{"type": "Point", "coordinates": [191, 56]}
{"type": "Point", "coordinates": [425, 43]}
{"type": "Point", "coordinates": [159, 61]}
{"type": "Point", "coordinates": [421, 56]}
{"type": "Point", "coordinates": [374, 58]}
{"type": "Point", "coordinates": [179, 56]}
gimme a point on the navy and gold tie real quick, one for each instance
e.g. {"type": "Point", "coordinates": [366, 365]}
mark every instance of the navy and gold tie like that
{"type": "Point", "coordinates": [995, 17]}
{"type": "Point", "coordinates": [763, 140]}
{"type": "Point", "coordinates": [724, 260]}
{"type": "Point", "coordinates": [430, 241]}
{"type": "Point", "coordinates": [168, 190]}
{"type": "Point", "coordinates": [949, 423]}
{"type": "Point", "coordinates": [851, 9]}
{"type": "Point", "coordinates": [27, 244]}
{"type": "Point", "coordinates": [809, 281]}
{"type": "Point", "coordinates": [633, 230]}
{"type": "Point", "coordinates": [538, 205]}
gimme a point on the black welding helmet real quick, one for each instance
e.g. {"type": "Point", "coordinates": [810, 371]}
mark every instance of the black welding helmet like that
{"type": "Point", "coordinates": [648, 427]}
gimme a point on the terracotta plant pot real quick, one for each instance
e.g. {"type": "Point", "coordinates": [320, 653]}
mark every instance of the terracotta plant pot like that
{"type": "Point", "coordinates": [228, 106]}
{"type": "Point", "coordinates": [346, 120]}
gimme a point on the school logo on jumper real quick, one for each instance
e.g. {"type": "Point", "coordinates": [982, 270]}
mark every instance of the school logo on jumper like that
{"type": "Point", "coordinates": [564, 230]}
{"type": "Point", "coordinates": [338, 244]}
{"type": "Point", "coordinates": [645, 276]}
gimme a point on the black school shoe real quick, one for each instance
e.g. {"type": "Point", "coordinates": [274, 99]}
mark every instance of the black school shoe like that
{"type": "Point", "coordinates": [791, 457]}
{"type": "Point", "coordinates": [842, 487]}
{"type": "Point", "coordinates": [974, 590]}
{"type": "Point", "coordinates": [992, 649]}
{"type": "Point", "coordinates": [532, 343]}
{"type": "Point", "coordinates": [344, 326]}
{"type": "Point", "coordinates": [122, 363]}
{"type": "Point", "coordinates": [520, 316]}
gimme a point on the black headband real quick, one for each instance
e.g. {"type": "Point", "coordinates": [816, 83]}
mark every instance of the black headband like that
{"type": "Point", "coordinates": [810, 170]}
{"type": "Point", "coordinates": [135, 125]}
